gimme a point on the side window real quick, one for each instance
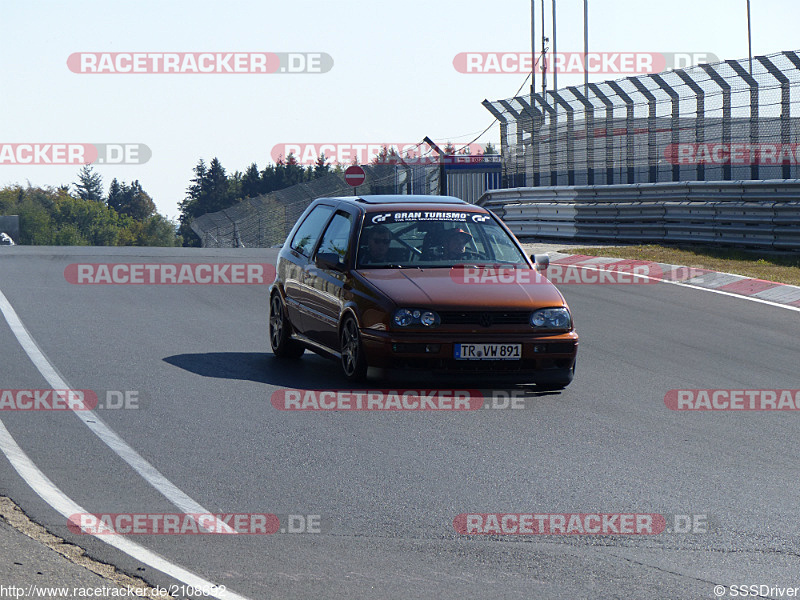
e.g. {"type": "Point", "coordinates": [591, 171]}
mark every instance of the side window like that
{"type": "Point", "coordinates": [336, 239]}
{"type": "Point", "coordinates": [309, 231]}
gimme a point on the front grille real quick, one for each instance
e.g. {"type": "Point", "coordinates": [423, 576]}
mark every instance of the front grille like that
{"type": "Point", "coordinates": [485, 318]}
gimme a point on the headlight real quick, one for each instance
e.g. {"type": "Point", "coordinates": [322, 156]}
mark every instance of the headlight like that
{"type": "Point", "coordinates": [429, 319]}
{"type": "Point", "coordinates": [405, 317]}
{"type": "Point", "coordinates": [551, 318]}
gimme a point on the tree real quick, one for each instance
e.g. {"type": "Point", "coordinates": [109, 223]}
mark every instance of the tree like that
{"type": "Point", "coordinates": [251, 182]}
{"type": "Point", "coordinates": [138, 203]}
{"type": "Point", "coordinates": [90, 185]}
{"type": "Point", "coordinates": [321, 167]}
{"type": "Point", "coordinates": [35, 224]}
{"type": "Point", "coordinates": [157, 231]}
{"type": "Point", "coordinates": [197, 186]}
{"type": "Point", "coordinates": [81, 222]}
{"type": "Point", "coordinates": [210, 191]}
{"type": "Point", "coordinates": [217, 195]}
{"type": "Point", "coordinates": [387, 156]}
{"type": "Point", "coordinates": [69, 235]}
{"type": "Point", "coordinates": [489, 149]}
{"type": "Point", "coordinates": [114, 198]}
{"type": "Point", "coordinates": [53, 216]}
{"type": "Point", "coordinates": [293, 173]}
{"type": "Point", "coordinates": [190, 207]}
{"type": "Point", "coordinates": [130, 200]}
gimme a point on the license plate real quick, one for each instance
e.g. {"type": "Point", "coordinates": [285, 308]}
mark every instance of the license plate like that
{"type": "Point", "coordinates": [487, 351]}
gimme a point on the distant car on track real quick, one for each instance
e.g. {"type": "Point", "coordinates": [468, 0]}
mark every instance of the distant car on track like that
{"type": "Point", "coordinates": [5, 240]}
{"type": "Point", "coordinates": [380, 281]}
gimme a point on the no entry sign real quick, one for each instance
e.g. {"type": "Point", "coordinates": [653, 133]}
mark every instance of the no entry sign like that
{"type": "Point", "coordinates": [355, 175]}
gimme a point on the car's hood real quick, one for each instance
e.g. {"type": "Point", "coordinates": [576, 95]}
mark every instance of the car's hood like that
{"type": "Point", "coordinates": [449, 288]}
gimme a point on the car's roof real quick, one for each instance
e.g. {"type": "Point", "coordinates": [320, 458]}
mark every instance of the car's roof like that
{"type": "Point", "coordinates": [393, 199]}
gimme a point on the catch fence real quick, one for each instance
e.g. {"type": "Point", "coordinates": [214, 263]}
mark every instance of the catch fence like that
{"type": "Point", "coordinates": [266, 220]}
{"type": "Point", "coordinates": [713, 122]}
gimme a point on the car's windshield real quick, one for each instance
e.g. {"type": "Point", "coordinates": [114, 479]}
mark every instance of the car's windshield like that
{"type": "Point", "coordinates": [434, 238]}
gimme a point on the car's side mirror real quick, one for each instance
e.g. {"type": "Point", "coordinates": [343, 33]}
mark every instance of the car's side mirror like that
{"type": "Point", "coordinates": [329, 260]}
{"type": "Point", "coordinates": [541, 262]}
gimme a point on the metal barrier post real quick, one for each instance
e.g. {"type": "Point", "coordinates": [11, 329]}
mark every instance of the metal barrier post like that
{"type": "Point", "coordinates": [629, 150]}
{"type": "Point", "coordinates": [785, 107]}
{"type": "Point", "coordinates": [589, 120]}
{"type": "Point", "coordinates": [551, 113]}
{"type": "Point", "coordinates": [569, 135]}
{"type": "Point", "coordinates": [652, 156]}
{"type": "Point", "coordinates": [609, 129]}
{"type": "Point", "coordinates": [676, 112]}
{"type": "Point", "coordinates": [700, 117]}
{"type": "Point", "coordinates": [726, 113]}
{"type": "Point", "coordinates": [754, 112]}
{"type": "Point", "coordinates": [536, 119]}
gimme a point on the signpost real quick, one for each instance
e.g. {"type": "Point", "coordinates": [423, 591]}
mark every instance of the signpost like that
{"type": "Point", "coordinates": [354, 176]}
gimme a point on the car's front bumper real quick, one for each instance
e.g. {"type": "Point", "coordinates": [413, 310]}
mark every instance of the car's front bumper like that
{"type": "Point", "coordinates": [435, 351]}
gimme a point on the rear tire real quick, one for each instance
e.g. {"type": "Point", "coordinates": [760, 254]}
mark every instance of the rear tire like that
{"type": "Point", "coordinates": [354, 359]}
{"type": "Point", "coordinates": [280, 331]}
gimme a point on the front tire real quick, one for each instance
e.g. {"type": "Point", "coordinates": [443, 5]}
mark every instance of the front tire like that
{"type": "Point", "coordinates": [354, 359]}
{"type": "Point", "coordinates": [280, 331]}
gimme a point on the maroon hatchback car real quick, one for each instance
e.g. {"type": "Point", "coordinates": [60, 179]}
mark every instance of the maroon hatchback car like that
{"type": "Point", "coordinates": [426, 282]}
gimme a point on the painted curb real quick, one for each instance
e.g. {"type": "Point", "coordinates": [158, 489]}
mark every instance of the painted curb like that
{"type": "Point", "coordinates": [778, 293]}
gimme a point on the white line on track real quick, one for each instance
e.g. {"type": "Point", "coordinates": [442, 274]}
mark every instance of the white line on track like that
{"type": "Point", "coordinates": [60, 502]}
{"type": "Point", "coordinates": [51, 494]}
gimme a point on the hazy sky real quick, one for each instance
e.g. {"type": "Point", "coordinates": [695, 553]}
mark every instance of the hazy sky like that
{"type": "Point", "coordinates": [392, 81]}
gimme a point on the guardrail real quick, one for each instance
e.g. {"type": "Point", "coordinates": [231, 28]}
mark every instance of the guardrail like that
{"type": "Point", "coordinates": [759, 214]}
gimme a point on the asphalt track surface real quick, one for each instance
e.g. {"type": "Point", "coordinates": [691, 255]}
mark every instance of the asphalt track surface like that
{"type": "Point", "coordinates": [387, 485]}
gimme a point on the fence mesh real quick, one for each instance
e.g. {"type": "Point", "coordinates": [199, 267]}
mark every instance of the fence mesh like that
{"type": "Point", "coordinates": [266, 220]}
{"type": "Point", "coordinates": [708, 122]}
